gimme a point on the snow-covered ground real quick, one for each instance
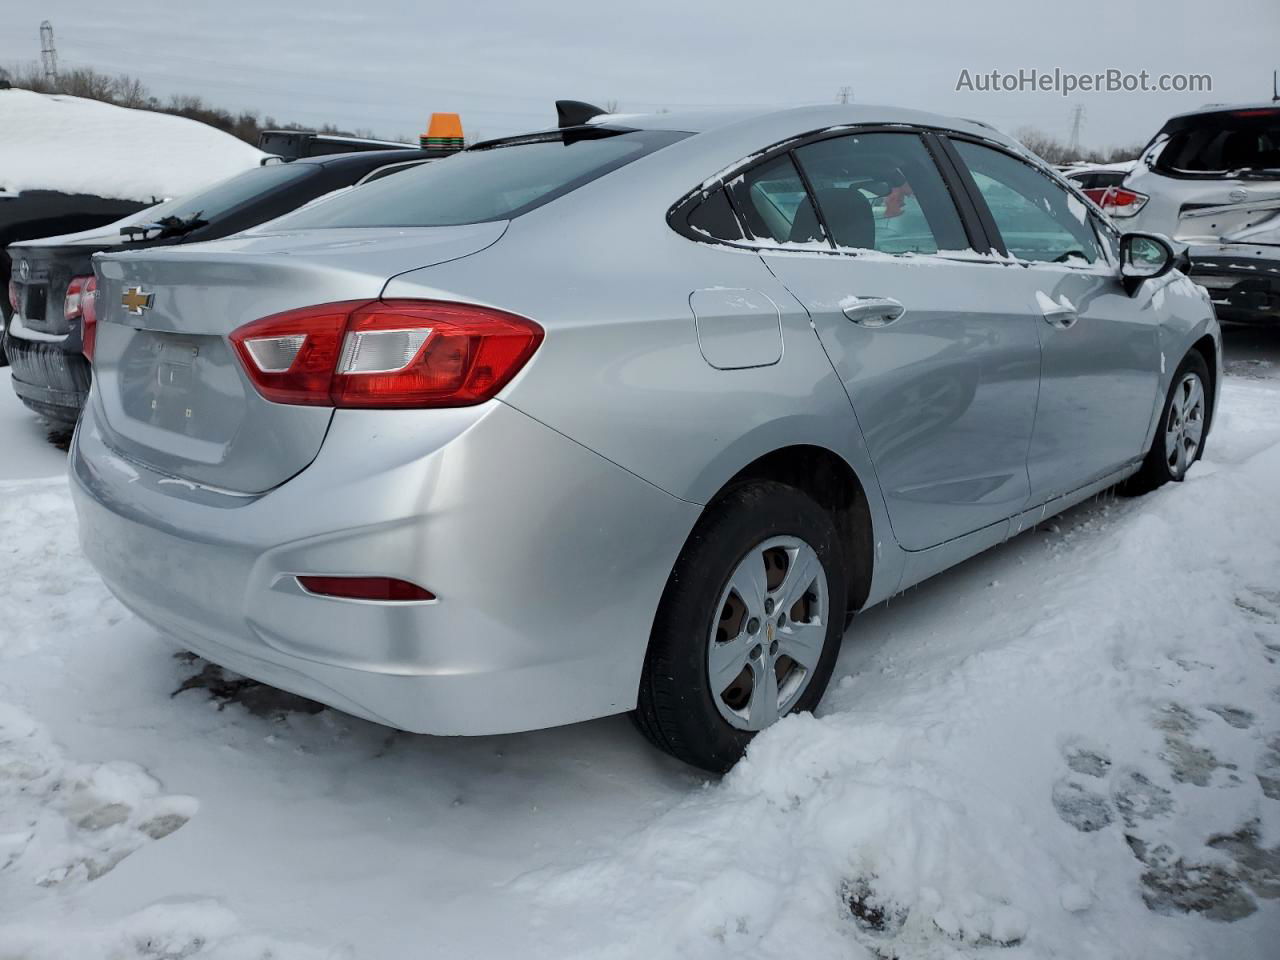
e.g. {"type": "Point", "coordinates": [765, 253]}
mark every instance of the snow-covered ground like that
{"type": "Point", "coordinates": [52, 142]}
{"type": "Point", "coordinates": [1068, 747]}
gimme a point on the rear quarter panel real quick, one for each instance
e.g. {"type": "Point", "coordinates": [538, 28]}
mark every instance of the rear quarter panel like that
{"type": "Point", "coordinates": [621, 372]}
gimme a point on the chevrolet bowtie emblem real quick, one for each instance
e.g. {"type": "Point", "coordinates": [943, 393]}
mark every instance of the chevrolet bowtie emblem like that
{"type": "Point", "coordinates": [135, 300]}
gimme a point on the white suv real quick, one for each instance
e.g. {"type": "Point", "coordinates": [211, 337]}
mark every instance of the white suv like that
{"type": "Point", "coordinates": [1210, 180]}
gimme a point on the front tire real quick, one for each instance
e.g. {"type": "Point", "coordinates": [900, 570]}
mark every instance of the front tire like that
{"type": "Point", "coordinates": [749, 625]}
{"type": "Point", "coordinates": [1182, 430]}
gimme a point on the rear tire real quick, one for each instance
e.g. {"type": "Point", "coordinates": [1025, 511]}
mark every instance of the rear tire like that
{"type": "Point", "coordinates": [761, 579]}
{"type": "Point", "coordinates": [1181, 431]}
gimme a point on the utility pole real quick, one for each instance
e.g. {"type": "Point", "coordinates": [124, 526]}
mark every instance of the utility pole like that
{"type": "Point", "coordinates": [1077, 121]}
{"type": "Point", "coordinates": [844, 95]}
{"type": "Point", "coordinates": [48, 53]}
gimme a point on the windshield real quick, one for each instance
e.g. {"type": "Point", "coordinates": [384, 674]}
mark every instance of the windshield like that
{"type": "Point", "coordinates": [1225, 142]}
{"type": "Point", "coordinates": [225, 195]}
{"type": "Point", "coordinates": [496, 182]}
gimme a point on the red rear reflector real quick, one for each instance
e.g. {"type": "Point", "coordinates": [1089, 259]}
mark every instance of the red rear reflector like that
{"type": "Point", "coordinates": [386, 353]}
{"type": "Point", "coordinates": [88, 317]}
{"type": "Point", "coordinates": [366, 588]}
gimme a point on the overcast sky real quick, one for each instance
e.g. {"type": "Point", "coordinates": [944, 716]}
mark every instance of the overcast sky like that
{"type": "Point", "coordinates": [386, 64]}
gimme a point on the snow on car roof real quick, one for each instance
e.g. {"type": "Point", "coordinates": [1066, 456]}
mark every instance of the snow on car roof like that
{"type": "Point", "coordinates": [74, 145]}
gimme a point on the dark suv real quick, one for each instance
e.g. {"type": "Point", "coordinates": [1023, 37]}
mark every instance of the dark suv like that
{"type": "Point", "coordinates": [48, 337]}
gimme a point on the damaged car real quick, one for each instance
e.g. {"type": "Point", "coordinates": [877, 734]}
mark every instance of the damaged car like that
{"type": "Point", "coordinates": [1210, 181]}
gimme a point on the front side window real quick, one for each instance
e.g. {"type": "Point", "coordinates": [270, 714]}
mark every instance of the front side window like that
{"type": "Point", "coordinates": [1038, 220]}
{"type": "Point", "coordinates": [486, 183]}
{"type": "Point", "coordinates": [882, 191]}
{"type": "Point", "coordinates": [774, 205]}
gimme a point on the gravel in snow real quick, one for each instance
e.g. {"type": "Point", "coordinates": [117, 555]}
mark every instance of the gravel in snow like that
{"type": "Point", "coordinates": [1068, 747]}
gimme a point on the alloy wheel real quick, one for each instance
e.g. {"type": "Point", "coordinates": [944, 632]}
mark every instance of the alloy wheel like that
{"type": "Point", "coordinates": [1184, 428]}
{"type": "Point", "coordinates": [769, 632]}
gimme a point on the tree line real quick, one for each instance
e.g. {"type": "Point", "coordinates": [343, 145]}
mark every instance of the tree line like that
{"type": "Point", "coordinates": [124, 90]}
{"type": "Point", "coordinates": [1050, 148]}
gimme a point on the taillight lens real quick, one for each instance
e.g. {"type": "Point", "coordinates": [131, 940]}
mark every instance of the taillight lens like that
{"type": "Point", "coordinates": [1096, 194]}
{"type": "Point", "coordinates": [1119, 202]}
{"type": "Point", "coordinates": [367, 588]}
{"type": "Point", "coordinates": [71, 302]}
{"type": "Point", "coordinates": [386, 353]}
{"type": "Point", "coordinates": [89, 317]}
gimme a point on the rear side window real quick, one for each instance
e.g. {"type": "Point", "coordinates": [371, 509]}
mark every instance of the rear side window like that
{"type": "Point", "coordinates": [882, 191]}
{"type": "Point", "coordinates": [485, 183]}
{"type": "Point", "coordinates": [1038, 220]}
{"type": "Point", "coordinates": [1243, 140]}
{"type": "Point", "coordinates": [774, 205]}
{"type": "Point", "coordinates": [714, 217]}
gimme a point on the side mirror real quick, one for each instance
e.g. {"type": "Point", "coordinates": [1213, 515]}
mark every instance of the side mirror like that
{"type": "Point", "coordinates": [1143, 256]}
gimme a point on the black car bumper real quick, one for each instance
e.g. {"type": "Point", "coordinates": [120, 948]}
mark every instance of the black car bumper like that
{"type": "Point", "coordinates": [1245, 288]}
{"type": "Point", "coordinates": [52, 381]}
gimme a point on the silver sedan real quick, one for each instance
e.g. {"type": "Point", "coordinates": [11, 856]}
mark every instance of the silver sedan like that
{"type": "Point", "coordinates": [629, 415]}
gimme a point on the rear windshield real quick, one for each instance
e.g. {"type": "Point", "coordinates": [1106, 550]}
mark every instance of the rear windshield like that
{"type": "Point", "coordinates": [228, 194]}
{"type": "Point", "coordinates": [1240, 140]}
{"type": "Point", "coordinates": [489, 182]}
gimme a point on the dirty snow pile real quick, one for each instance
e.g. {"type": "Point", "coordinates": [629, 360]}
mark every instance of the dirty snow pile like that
{"type": "Point", "coordinates": [1068, 747]}
{"type": "Point", "coordinates": [74, 145]}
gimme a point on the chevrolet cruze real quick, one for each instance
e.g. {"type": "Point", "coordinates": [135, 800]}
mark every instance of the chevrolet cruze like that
{"type": "Point", "coordinates": [629, 415]}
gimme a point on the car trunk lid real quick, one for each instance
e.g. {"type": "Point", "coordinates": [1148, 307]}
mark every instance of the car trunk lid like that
{"type": "Point", "coordinates": [40, 275]}
{"type": "Point", "coordinates": [170, 390]}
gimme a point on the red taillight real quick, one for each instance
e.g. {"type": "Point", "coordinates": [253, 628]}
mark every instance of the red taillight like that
{"type": "Point", "coordinates": [386, 353]}
{"type": "Point", "coordinates": [1120, 202]}
{"type": "Point", "coordinates": [71, 301]}
{"type": "Point", "coordinates": [366, 588]}
{"type": "Point", "coordinates": [1095, 194]}
{"type": "Point", "coordinates": [13, 295]}
{"type": "Point", "coordinates": [89, 317]}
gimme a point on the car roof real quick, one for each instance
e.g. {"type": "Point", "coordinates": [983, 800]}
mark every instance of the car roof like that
{"type": "Point", "coordinates": [814, 116]}
{"type": "Point", "coordinates": [1268, 105]}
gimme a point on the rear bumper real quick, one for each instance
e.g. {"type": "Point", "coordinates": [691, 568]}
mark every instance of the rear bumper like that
{"type": "Point", "coordinates": [548, 562]}
{"type": "Point", "coordinates": [51, 377]}
{"type": "Point", "coordinates": [1243, 283]}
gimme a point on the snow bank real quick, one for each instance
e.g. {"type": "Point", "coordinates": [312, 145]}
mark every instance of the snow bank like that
{"type": "Point", "coordinates": [75, 145]}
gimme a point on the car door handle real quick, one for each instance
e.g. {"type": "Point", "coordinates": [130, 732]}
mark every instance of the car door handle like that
{"type": "Point", "coordinates": [1057, 313]}
{"type": "Point", "coordinates": [872, 311]}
